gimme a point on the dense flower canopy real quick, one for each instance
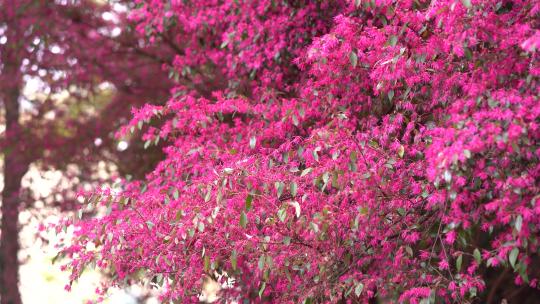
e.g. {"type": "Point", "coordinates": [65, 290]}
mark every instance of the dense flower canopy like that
{"type": "Point", "coordinates": [322, 151]}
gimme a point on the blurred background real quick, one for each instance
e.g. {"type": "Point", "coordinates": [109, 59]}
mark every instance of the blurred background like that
{"type": "Point", "coordinates": [70, 74]}
{"type": "Point", "coordinates": [44, 282]}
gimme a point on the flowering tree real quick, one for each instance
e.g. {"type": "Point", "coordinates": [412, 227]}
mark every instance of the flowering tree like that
{"type": "Point", "coordinates": [329, 151]}
{"type": "Point", "coordinates": [60, 46]}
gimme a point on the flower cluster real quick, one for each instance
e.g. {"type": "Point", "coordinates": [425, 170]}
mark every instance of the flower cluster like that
{"type": "Point", "coordinates": [321, 151]}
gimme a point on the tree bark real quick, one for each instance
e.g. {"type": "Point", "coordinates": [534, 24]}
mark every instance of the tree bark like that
{"type": "Point", "coordinates": [9, 241]}
{"type": "Point", "coordinates": [15, 166]}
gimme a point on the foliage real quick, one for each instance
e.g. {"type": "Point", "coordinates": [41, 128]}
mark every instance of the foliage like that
{"type": "Point", "coordinates": [61, 104]}
{"type": "Point", "coordinates": [396, 158]}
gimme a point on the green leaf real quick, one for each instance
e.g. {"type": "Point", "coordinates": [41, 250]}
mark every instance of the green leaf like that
{"type": "Point", "coordinates": [261, 290]}
{"type": "Point", "coordinates": [200, 226]}
{"type": "Point", "coordinates": [179, 215]}
{"type": "Point", "coordinates": [373, 143]}
{"type": "Point", "coordinates": [206, 263]}
{"type": "Point", "coordinates": [391, 95]}
{"type": "Point", "coordinates": [477, 256]}
{"type": "Point", "coordinates": [249, 200]}
{"type": "Point", "coordinates": [286, 240]}
{"type": "Point", "coordinates": [234, 259]}
{"type": "Point", "coordinates": [314, 227]}
{"type": "Point", "coordinates": [326, 177]}
{"type": "Point", "coordinates": [208, 196]}
{"type": "Point", "coordinates": [409, 250]}
{"type": "Point", "coordinates": [512, 257]}
{"type": "Point", "coordinates": [176, 194]}
{"type": "Point", "coordinates": [354, 156]}
{"type": "Point", "coordinates": [357, 3]}
{"type": "Point", "coordinates": [296, 206]}
{"type": "Point", "coordinates": [459, 262]}
{"type": "Point", "coordinates": [353, 58]}
{"type": "Point", "coordinates": [294, 189]}
{"type": "Point", "coordinates": [522, 270]}
{"type": "Point", "coordinates": [279, 188]}
{"type": "Point", "coordinates": [306, 172]}
{"type": "Point", "coordinates": [308, 300]}
{"type": "Point", "coordinates": [57, 256]}
{"type": "Point", "coordinates": [467, 153]}
{"type": "Point", "coordinates": [519, 223]}
{"type": "Point", "coordinates": [295, 120]}
{"type": "Point", "coordinates": [363, 210]}
{"type": "Point", "coordinates": [269, 261]}
{"type": "Point", "coordinates": [401, 151]}
{"type": "Point", "coordinates": [447, 176]}
{"type": "Point", "coordinates": [348, 292]}
{"type": "Point", "coordinates": [315, 155]}
{"type": "Point", "coordinates": [159, 279]}
{"type": "Point", "coordinates": [392, 41]}
{"type": "Point", "coordinates": [282, 214]}
{"type": "Point", "coordinates": [467, 3]}
{"type": "Point", "coordinates": [358, 289]}
{"type": "Point", "coordinates": [261, 262]}
{"type": "Point", "coordinates": [243, 220]}
{"type": "Point", "coordinates": [149, 224]}
{"type": "Point", "coordinates": [219, 196]}
{"type": "Point", "coordinates": [252, 142]}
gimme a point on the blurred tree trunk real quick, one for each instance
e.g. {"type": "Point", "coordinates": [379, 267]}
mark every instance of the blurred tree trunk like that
{"type": "Point", "coordinates": [15, 166]}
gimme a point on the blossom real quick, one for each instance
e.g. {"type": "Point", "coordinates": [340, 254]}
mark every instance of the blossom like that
{"type": "Point", "coordinates": [397, 133]}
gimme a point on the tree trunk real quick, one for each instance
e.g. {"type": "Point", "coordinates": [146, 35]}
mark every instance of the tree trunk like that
{"type": "Point", "coordinates": [15, 166]}
{"type": "Point", "coordinates": [9, 242]}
